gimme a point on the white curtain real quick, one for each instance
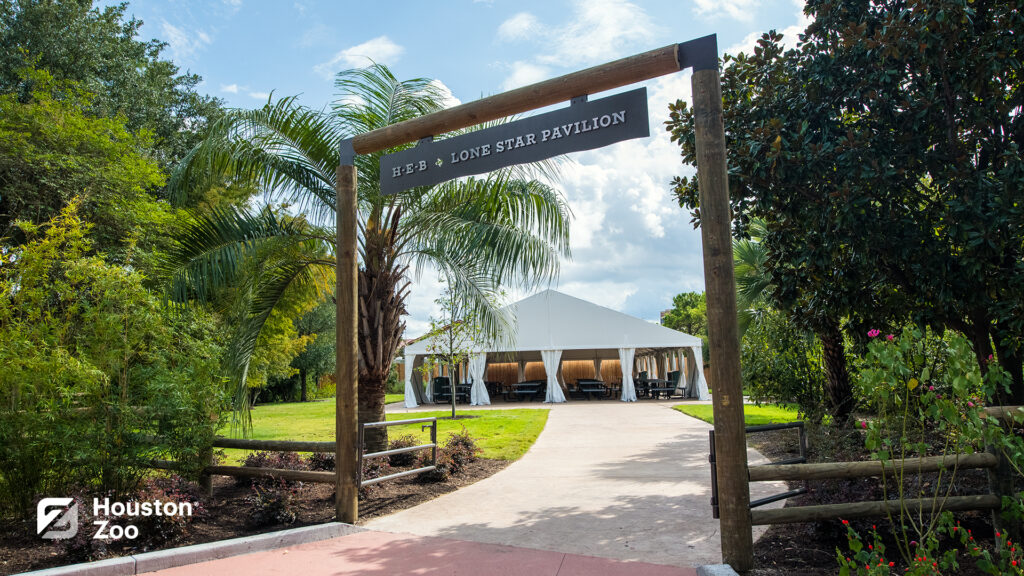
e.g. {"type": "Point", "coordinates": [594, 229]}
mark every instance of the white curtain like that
{"type": "Point", "coordinates": [597, 368]}
{"type": "Point", "coordinates": [677, 358]}
{"type": "Point", "coordinates": [477, 369]}
{"type": "Point", "coordinates": [698, 365]}
{"type": "Point", "coordinates": [551, 358]}
{"type": "Point", "coordinates": [429, 377]}
{"type": "Point", "coordinates": [522, 371]}
{"type": "Point", "coordinates": [626, 360]}
{"type": "Point", "coordinates": [410, 393]}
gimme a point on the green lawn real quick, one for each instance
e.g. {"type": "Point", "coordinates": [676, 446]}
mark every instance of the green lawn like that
{"type": "Point", "coordinates": [502, 434]}
{"type": "Point", "coordinates": [753, 415]}
{"type": "Point", "coordinates": [389, 398]}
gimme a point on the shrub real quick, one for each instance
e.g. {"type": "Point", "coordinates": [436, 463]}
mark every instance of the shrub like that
{"type": "Point", "coordinates": [782, 363]}
{"type": "Point", "coordinates": [279, 460]}
{"type": "Point", "coordinates": [155, 530]}
{"type": "Point", "coordinates": [321, 461]}
{"type": "Point", "coordinates": [373, 468]}
{"type": "Point", "coordinates": [99, 375]}
{"type": "Point", "coordinates": [272, 502]}
{"type": "Point", "coordinates": [404, 459]}
{"type": "Point", "coordinates": [452, 457]}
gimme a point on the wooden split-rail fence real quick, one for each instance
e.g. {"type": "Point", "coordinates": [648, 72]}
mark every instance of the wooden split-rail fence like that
{"type": "Point", "coordinates": [876, 468]}
{"type": "Point", "coordinates": [323, 477]}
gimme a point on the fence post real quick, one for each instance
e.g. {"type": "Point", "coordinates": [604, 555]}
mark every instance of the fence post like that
{"type": "Point", "coordinates": [205, 479]}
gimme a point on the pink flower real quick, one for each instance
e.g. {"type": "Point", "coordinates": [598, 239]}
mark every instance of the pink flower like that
{"type": "Point", "coordinates": [873, 332]}
{"type": "Point", "coordinates": [970, 404]}
{"type": "Point", "coordinates": [889, 337]}
{"type": "Point", "coordinates": [989, 357]}
{"type": "Point", "coordinates": [863, 424]}
{"type": "Point", "coordinates": [931, 388]}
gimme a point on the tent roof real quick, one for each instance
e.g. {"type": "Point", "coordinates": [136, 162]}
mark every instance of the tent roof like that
{"type": "Point", "coordinates": [551, 320]}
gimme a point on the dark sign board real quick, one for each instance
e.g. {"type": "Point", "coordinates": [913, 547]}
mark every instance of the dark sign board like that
{"type": "Point", "coordinates": [582, 126]}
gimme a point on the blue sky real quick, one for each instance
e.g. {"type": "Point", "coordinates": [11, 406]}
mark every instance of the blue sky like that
{"type": "Point", "coordinates": [633, 247]}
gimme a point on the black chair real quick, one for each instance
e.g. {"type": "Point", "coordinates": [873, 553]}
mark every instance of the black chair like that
{"type": "Point", "coordinates": [442, 390]}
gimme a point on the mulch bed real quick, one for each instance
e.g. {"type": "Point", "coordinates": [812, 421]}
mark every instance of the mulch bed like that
{"type": "Point", "coordinates": [809, 549]}
{"type": "Point", "coordinates": [227, 511]}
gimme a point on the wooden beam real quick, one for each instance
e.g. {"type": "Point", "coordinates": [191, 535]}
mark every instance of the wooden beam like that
{"type": "Point", "coordinates": [274, 445]}
{"type": "Point", "coordinates": [346, 373]}
{"type": "Point", "coordinates": [723, 331]}
{"type": "Point", "coordinates": [871, 509]}
{"type": "Point", "coordinates": [607, 76]}
{"type": "Point", "coordinates": [824, 470]}
{"type": "Point", "coordinates": [252, 472]}
{"type": "Point", "coordinates": [1005, 412]}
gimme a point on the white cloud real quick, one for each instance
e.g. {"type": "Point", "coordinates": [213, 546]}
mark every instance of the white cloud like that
{"type": "Point", "coordinates": [742, 10]}
{"type": "Point", "coordinates": [259, 95]}
{"type": "Point", "coordinates": [597, 31]}
{"type": "Point", "coordinates": [448, 99]}
{"type": "Point", "coordinates": [525, 73]}
{"type": "Point", "coordinates": [233, 3]}
{"type": "Point", "coordinates": [517, 27]}
{"type": "Point", "coordinates": [790, 34]}
{"type": "Point", "coordinates": [182, 44]}
{"type": "Point", "coordinates": [229, 88]}
{"type": "Point", "coordinates": [380, 49]}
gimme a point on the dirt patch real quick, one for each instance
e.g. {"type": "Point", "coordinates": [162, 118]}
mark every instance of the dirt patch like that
{"type": "Point", "coordinates": [227, 513]}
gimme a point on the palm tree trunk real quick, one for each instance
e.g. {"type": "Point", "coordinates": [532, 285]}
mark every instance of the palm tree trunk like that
{"type": "Point", "coordinates": [382, 291]}
{"type": "Point", "coordinates": [837, 382]}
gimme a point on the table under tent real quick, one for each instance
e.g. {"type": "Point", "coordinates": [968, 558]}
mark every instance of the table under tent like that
{"type": "Point", "coordinates": [552, 328]}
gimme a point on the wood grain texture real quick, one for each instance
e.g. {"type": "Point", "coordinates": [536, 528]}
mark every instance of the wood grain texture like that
{"type": "Point", "coordinates": [723, 331]}
{"type": "Point", "coordinates": [346, 454]}
{"type": "Point", "coordinates": [871, 509]}
{"type": "Point", "coordinates": [824, 470]}
{"type": "Point", "coordinates": [606, 76]}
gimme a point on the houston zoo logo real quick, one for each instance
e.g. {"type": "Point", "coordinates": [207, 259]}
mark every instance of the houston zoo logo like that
{"type": "Point", "coordinates": [57, 518]}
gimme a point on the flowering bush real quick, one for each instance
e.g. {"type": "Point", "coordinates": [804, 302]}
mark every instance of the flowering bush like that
{"type": "Point", "coordinates": [928, 394]}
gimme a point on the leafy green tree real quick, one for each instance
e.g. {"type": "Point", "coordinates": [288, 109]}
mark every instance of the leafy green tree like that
{"type": "Point", "coordinates": [884, 156]}
{"type": "Point", "coordinates": [98, 49]}
{"type": "Point", "coordinates": [689, 314]}
{"type": "Point", "coordinates": [51, 151]}
{"type": "Point", "coordinates": [815, 280]}
{"type": "Point", "coordinates": [319, 355]}
{"type": "Point", "coordinates": [478, 232]}
{"type": "Point", "coordinates": [100, 376]}
{"type": "Point", "coordinates": [783, 363]}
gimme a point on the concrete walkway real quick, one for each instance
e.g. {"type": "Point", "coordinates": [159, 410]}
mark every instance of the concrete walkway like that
{"type": "Point", "coordinates": [622, 481]}
{"type": "Point", "coordinates": [383, 554]}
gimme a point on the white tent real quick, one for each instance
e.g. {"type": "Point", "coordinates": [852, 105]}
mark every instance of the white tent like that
{"type": "Point", "coordinates": [553, 327]}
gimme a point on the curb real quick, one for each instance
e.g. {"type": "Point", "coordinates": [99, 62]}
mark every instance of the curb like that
{"type": "Point", "coordinates": [173, 557]}
{"type": "Point", "coordinates": [716, 570]}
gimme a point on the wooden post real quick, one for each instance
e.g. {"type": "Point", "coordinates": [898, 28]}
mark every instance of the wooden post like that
{"type": "Point", "coordinates": [346, 373]}
{"type": "Point", "coordinates": [723, 332]}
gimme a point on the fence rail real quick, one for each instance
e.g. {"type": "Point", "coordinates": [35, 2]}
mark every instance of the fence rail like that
{"type": "Point", "coordinates": [824, 470]}
{"type": "Point", "coordinates": [828, 470]}
{"type": "Point", "coordinates": [304, 446]}
{"type": "Point", "coordinates": [872, 509]}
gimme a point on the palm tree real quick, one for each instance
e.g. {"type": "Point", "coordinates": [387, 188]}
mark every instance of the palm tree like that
{"type": "Point", "coordinates": [753, 279]}
{"type": "Point", "coordinates": [480, 233]}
